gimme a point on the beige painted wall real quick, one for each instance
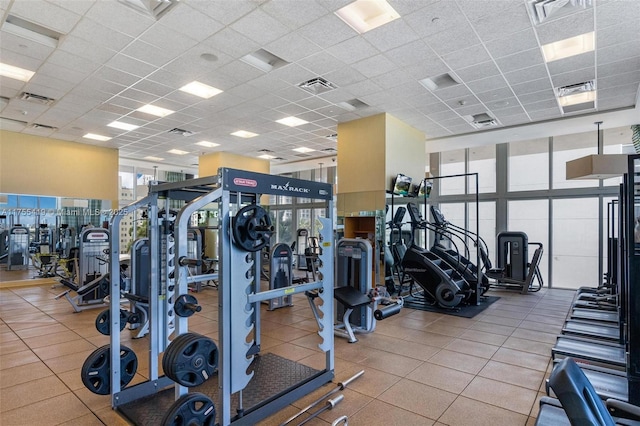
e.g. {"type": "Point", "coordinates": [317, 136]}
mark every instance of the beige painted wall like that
{"type": "Point", "coordinates": [209, 164]}
{"type": "Point", "coordinates": [42, 166]}
{"type": "Point", "coordinates": [405, 151]}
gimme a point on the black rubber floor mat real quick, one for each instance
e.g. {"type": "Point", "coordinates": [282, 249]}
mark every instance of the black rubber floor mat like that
{"type": "Point", "coordinates": [469, 311]}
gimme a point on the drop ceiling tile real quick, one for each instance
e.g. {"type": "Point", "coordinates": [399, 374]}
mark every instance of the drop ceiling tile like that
{"type": "Point", "coordinates": [171, 42]}
{"type": "Point", "coordinates": [417, 52]}
{"type": "Point", "coordinates": [505, 21]}
{"type": "Point", "coordinates": [475, 10]}
{"type": "Point", "coordinates": [435, 18]}
{"type": "Point", "coordinates": [392, 79]}
{"type": "Point", "coordinates": [45, 80]}
{"type": "Point", "coordinates": [345, 77]}
{"type": "Point", "coordinates": [100, 85]}
{"type": "Point", "coordinates": [8, 92]}
{"type": "Point", "coordinates": [391, 35]}
{"type": "Point", "coordinates": [458, 121]}
{"type": "Point", "coordinates": [46, 14]}
{"type": "Point", "coordinates": [495, 82]}
{"type": "Point", "coordinates": [293, 74]}
{"type": "Point", "coordinates": [374, 66]}
{"type": "Point", "coordinates": [619, 67]}
{"type": "Point", "coordinates": [120, 18]}
{"type": "Point", "coordinates": [462, 128]}
{"type": "Point", "coordinates": [619, 80]}
{"type": "Point", "coordinates": [584, 60]}
{"type": "Point", "coordinates": [508, 112]}
{"type": "Point", "coordinates": [292, 47]}
{"type": "Point", "coordinates": [454, 39]}
{"type": "Point", "coordinates": [22, 46]}
{"type": "Point", "coordinates": [542, 105]}
{"type": "Point", "coordinates": [147, 53]}
{"type": "Point", "coordinates": [130, 65]}
{"type": "Point", "coordinates": [268, 82]}
{"type": "Point", "coordinates": [321, 63]}
{"type": "Point", "coordinates": [454, 92]}
{"type": "Point", "coordinates": [238, 72]}
{"type": "Point", "coordinates": [223, 10]}
{"type": "Point", "coordinates": [73, 62]}
{"type": "Point", "coordinates": [191, 22]}
{"type": "Point", "coordinates": [531, 86]}
{"type": "Point", "coordinates": [291, 16]}
{"type": "Point", "coordinates": [565, 27]}
{"type": "Point", "coordinates": [467, 57]}
{"type": "Point", "coordinates": [152, 87]}
{"type": "Point", "coordinates": [291, 109]}
{"type": "Point", "coordinates": [494, 95]}
{"type": "Point", "coordinates": [293, 94]}
{"type": "Point", "coordinates": [259, 26]}
{"type": "Point", "coordinates": [618, 52]}
{"type": "Point", "coordinates": [619, 101]}
{"type": "Point", "coordinates": [575, 77]}
{"type": "Point", "coordinates": [50, 92]}
{"type": "Point", "coordinates": [622, 32]}
{"type": "Point", "coordinates": [513, 43]}
{"type": "Point", "coordinates": [462, 102]}
{"type": "Point", "coordinates": [22, 61]}
{"type": "Point", "coordinates": [545, 114]}
{"type": "Point", "coordinates": [447, 114]}
{"type": "Point", "coordinates": [525, 59]}
{"type": "Point", "coordinates": [478, 72]}
{"type": "Point", "coordinates": [428, 69]}
{"type": "Point", "coordinates": [543, 95]}
{"type": "Point", "coordinates": [515, 119]}
{"type": "Point", "coordinates": [93, 32]}
{"type": "Point", "coordinates": [500, 104]}
{"type": "Point", "coordinates": [139, 96]}
{"type": "Point", "coordinates": [611, 13]}
{"type": "Point", "coordinates": [78, 7]}
{"type": "Point", "coordinates": [363, 88]}
{"type": "Point", "coordinates": [526, 74]}
{"type": "Point", "coordinates": [353, 50]}
{"type": "Point", "coordinates": [77, 46]}
{"type": "Point", "coordinates": [327, 31]}
{"type": "Point", "coordinates": [314, 103]}
{"type": "Point", "coordinates": [232, 43]}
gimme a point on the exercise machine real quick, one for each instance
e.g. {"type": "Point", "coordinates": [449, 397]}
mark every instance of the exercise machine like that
{"type": "Point", "coordinates": [280, 274]}
{"type": "Point", "coordinates": [18, 253]}
{"type": "Point", "coordinates": [514, 271]}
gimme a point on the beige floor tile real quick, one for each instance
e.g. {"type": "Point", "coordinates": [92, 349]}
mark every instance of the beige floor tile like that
{"type": "Point", "coordinates": [397, 365]}
{"type": "Point", "coordinates": [531, 421]}
{"type": "Point", "coordinates": [524, 359]}
{"type": "Point", "coordinates": [51, 339]}
{"type": "Point", "coordinates": [30, 392]}
{"type": "Point", "coordinates": [351, 404]}
{"type": "Point", "coordinates": [72, 379]}
{"type": "Point", "coordinates": [387, 329]}
{"type": "Point", "coordinates": [374, 382]}
{"type": "Point", "coordinates": [17, 358]}
{"type": "Point", "coordinates": [525, 345]}
{"type": "Point", "coordinates": [110, 417]}
{"type": "Point", "coordinates": [86, 420]}
{"type": "Point", "coordinates": [469, 412]}
{"type": "Point", "coordinates": [493, 319]}
{"type": "Point", "coordinates": [431, 339]}
{"type": "Point", "coordinates": [26, 325]}
{"type": "Point", "coordinates": [421, 399]}
{"type": "Point", "coordinates": [381, 413]}
{"type": "Point", "coordinates": [8, 336]}
{"type": "Point", "coordinates": [441, 377]}
{"type": "Point", "coordinates": [483, 337]}
{"type": "Point", "coordinates": [400, 347]}
{"type": "Point", "coordinates": [508, 314]}
{"type": "Point", "coordinates": [472, 348]}
{"type": "Point", "coordinates": [58, 409]}
{"type": "Point", "coordinates": [439, 327]}
{"type": "Point", "coordinates": [65, 348]}
{"type": "Point", "coordinates": [290, 351]}
{"type": "Point", "coordinates": [535, 409]}
{"type": "Point", "coordinates": [23, 373]}
{"type": "Point", "coordinates": [523, 333]}
{"type": "Point", "coordinates": [67, 362]}
{"type": "Point", "coordinates": [91, 399]}
{"type": "Point", "coordinates": [544, 328]}
{"type": "Point", "coordinates": [13, 346]}
{"type": "Point", "coordinates": [501, 394]}
{"type": "Point", "coordinates": [513, 374]}
{"type": "Point", "coordinates": [42, 331]}
{"type": "Point", "coordinates": [458, 361]}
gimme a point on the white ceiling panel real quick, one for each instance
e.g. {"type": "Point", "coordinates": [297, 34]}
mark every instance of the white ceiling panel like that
{"type": "Point", "coordinates": [116, 59]}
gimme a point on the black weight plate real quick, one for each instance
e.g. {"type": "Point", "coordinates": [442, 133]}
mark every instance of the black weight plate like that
{"type": "Point", "coordinates": [192, 409]}
{"type": "Point", "coordinates": [103, 324]}
{"type": "Point", "coordinates": [180, 306]}
{"type": "Point", "coordinates": [252, 228]}
{"type": "Point", "coordinates": [96, 371]}
{"type": "Point", "coordinates": [190, 361]}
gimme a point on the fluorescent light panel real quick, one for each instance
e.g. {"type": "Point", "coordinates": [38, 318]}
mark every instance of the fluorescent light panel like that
{"type": "Point", "coordinates": [155, 110]}
{"type": "Point", "coordinates": [292, 121]}
{"type": "Point", "coordinates": [152, 158]}
{"type": "Point", "coordinates": [569, 47]}
{"type": "Point", "coordinates": [577, 98]}
{"type": "Point", "coordinates": [266, 157]}
{"type": "Point", "coordinates": [365, 15]}
{"type": "Point", "coordinates": [96, 137]}
{"type": "Point", "coordinates": [200, 89]}
{"type": "Point", "coordinates": [177, 152]}
{"type": "Point", "coordinates": [123, 126]}
{"type": "Point", "coordinates": [303, 149]}
{"type": "Point", "coordinates": [244, 134]}
{"type": "Point", "coordinates": [16, 73]}
{"type": "Point", "coordinates": [207, 144]}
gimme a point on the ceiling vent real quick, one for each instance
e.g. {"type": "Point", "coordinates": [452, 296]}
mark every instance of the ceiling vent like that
{"type": "Point", "coordinates": [302, 155]}
{"type": "Point", "coordinates": [482, 120]}
{"type": "Point", "coordinates": [43, 127]}
{"type": "Point", "coordinates": [264, 60]}
{"type": "Point", "coordinates": [32, 97]}
{"type": "Point", "coordinates": [317, 85]}
{"type": "Point", "coordinates": [265, 151]}
{"type": "Point", "coordinates": [154, 8]}
{"type": "Point", "coordinates": [587, 86]}
{"type": "Point", "coordinates": [31, 31]}
{"type": "Point", "coordinates": [577, 97]}
{"type": "Point", "coordinates": [182, 132]}
{"type": "Point", "coordinates": [440, 81]}
{"type": "Point", "coordinates": [333, 137]}
{"type": "Point", "coordinates": [541, 10]}
{"type": "Point", "coordinates": [329, 150]}
{"type": "Point", "coordinates": [352, 104]}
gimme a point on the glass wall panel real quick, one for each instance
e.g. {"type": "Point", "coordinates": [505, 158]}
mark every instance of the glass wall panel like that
{"type": "Point", "coordinates": [285, 230]}
{"type": "Point", "coordinates": [482, 160]}
{"type": "Point", "coordinates": [617, 141]}
{"type": "Point", "coordinates": [487, 226]}
{"type": "Point", "coordinates": [451, 163]}
{"type": "Point", "coordinates": [529, 165]}
{"type": "Point", "coordinates": [304, 219]}
{"type": "Point", "coordinates": [572, 147]}
{"type": "Point", "coordinates": [532, 218]}
{"type": "Point", "coordinates": [575, 242]}
{"type": "Point", "coordinates": [317, 213]}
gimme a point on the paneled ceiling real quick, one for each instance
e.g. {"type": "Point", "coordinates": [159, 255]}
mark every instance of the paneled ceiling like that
{"type": "Point", "coordinates": [111, 59]}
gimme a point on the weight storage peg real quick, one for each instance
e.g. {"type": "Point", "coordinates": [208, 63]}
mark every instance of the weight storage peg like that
{"type": "Point", "coordinates": [186, 305]}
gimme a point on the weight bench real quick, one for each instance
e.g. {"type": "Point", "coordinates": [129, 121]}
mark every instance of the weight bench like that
{"type": "Point", "coordinates": [350, 298]}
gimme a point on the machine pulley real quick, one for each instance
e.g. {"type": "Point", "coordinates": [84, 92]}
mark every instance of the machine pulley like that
{"type": "Point", "coordinates": [252, 228]}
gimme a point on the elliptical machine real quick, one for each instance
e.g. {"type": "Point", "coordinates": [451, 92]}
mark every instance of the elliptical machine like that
{"type": "Point", "coordinates": [443, 285]}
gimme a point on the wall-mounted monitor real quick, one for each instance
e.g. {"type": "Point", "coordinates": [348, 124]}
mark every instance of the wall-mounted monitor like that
{"type": "Point", "coordinates": [401, 184]}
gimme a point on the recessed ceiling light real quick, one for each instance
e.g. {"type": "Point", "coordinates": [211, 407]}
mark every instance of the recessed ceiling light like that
{"type": "Point", "coordinates": [266, 157]}
{"type": "Point", "coordinates": [244, 134]}
{"type": "Point", "coordinates": [123, 126]}
{"type": "Point", "coordinates": [152, 158]}
{"type": "Point", "coordinates": [365, 15]}
{"type": "Point", "coordinates": [155, 110]}
{"type": "Point", "coordinates": [264, 60]}
{"type": "Point", "coordinates": [292, 121]}
{"type": "Point", "coordinates": [303, 149]}
{"type": "Point", "coordinates": [15, 72]}
{"type": "Point", "coordinates": [200, 89]}
{"type": "Point", "coordinates": [568, 47]}
{"type": "Point", "coordinates": [177, 152]}
{"type": "Point", "coordinates": [207, 144]}
{"type": "Point", "coordinates": [96, 137]}
{"type": "Point", "coordinates": [577, 98]}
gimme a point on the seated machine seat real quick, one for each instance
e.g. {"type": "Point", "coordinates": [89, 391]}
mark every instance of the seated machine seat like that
{"type": "Point", "coordinates": [350, 298]}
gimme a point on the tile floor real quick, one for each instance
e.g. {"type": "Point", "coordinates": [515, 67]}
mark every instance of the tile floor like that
{"type": "Point", "coordinates": [421, 368]}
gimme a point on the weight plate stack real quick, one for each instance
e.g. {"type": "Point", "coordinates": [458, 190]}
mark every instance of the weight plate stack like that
{"type": "Point", "coordinates": [190, 359]}
{"type": "Point", "coordinates": [96, 370]}
{"type": "Point", "coordinates": [191, 409]}
{"type": "Point", "coordinates": [103, 324]}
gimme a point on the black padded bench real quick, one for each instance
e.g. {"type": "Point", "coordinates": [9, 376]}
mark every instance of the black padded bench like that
{"type": "Point", "coordinates": [350, 298]}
